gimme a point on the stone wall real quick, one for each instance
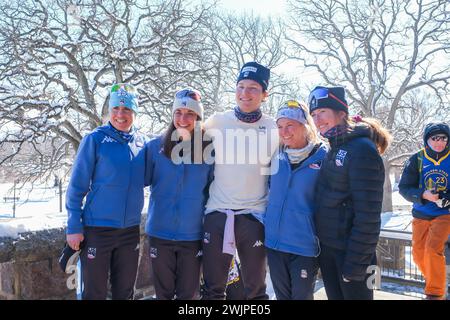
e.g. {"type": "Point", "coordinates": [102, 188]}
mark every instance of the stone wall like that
{"type": "Point", "coordinates": [29, 267]}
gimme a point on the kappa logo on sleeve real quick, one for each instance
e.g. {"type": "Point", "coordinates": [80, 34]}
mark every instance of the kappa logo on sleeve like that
{"type": "Point", "coordinates": [153, 252]}
{"type": "Point", "coordinates": [340, 157]}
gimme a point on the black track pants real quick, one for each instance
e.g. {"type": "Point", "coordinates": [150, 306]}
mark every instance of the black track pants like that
{"type": "Point", "coordinates": [249, 235]}
{"type": "Point", "coordinates": [293, 276]}
{"type": "Point", "coordinates": [109, 251]}
{"type": "Point", "coordinates": [176, 268]}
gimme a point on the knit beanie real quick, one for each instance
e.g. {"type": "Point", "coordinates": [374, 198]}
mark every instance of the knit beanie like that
{"type": "Point", "coordinates": [328, 97]}
{"type": "Point", "coordinates": [123, 95]}
{"type": "Point", "coordinates": [255, 71]}
{"type": "Point", "coordinates": [188, 98]}
{"type": "Point", "coordinates": [291, 109]}
{"type": "Point", "coordinates": [435, 128]}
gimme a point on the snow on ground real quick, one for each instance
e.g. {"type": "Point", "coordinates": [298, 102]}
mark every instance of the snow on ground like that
{"type": "Point", "coordinates": [401, 218]}
{"type": "Point", "coordinates": [397, 220]}
{"type": "Point", "coordinates": [36, 209]}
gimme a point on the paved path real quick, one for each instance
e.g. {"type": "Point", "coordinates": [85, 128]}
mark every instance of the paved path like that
{"type": "Point", "coordinates": [378, 295]}
{"type": "Point", "coordinates": [320, 294]}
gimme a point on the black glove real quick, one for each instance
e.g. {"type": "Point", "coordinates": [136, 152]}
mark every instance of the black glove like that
{"type": "Point", "coordinates": [69, 256]}
{"type": "Point", "coordinates": [444, 199]}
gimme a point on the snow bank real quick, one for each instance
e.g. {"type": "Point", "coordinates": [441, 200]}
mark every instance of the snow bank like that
{"type": "Point", "coordinates": [14, 227]}
{"type": "Point", "coordinates": [36, 209]}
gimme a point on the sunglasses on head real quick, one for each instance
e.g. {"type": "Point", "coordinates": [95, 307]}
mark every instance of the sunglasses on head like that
{"type": "Point", "coordinates": [323, 93]}
{"type": "Point", "coordinates": [194, 95]}
{"type": "Point", "coordinates": [439, 138]}
{"type": "Point", "coordinates": [292, 104]}
{"type": "Point", "coordinates": [127, 87]}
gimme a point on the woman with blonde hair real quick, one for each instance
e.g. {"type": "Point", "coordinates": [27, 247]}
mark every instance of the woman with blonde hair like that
{"type": "Point", "coordinates": [291, 241]}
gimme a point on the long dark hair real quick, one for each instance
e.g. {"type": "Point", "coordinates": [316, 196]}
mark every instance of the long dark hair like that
{"type": "Point", "coordinates": [168, 143]}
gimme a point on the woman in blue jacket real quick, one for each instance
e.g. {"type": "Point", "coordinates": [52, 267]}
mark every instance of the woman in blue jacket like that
{"type": "Point", "coordinates": [109, 172]}
{"type": "Point", "coordinates": [179, 178]}
{"type": "Point", "coordinates": [291, 241]}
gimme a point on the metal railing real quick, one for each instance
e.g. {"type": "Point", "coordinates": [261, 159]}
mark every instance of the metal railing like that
{"type": "Point", "coordinates": [395, 259]}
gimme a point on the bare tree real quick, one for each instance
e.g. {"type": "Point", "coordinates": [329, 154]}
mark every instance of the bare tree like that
{"type": "Point", "coordinates": [238, 39]}
{"type": "Point", "coordinates": [384, 52]}
{"type": "Point", "coordinates": [59, 57]}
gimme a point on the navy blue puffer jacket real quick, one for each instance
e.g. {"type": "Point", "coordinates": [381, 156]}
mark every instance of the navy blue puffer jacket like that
{"type": "Point", "coordinates": [349, 196]}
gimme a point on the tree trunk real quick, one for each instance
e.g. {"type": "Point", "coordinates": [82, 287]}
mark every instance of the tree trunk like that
{"type": "Point", "coordinates": [387, 189]}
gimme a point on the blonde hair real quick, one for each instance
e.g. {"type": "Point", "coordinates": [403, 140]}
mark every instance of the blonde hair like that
{"type": "Point", "coordinates": [312, 134]}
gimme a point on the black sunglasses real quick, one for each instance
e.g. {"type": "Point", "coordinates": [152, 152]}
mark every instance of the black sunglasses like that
{"type": "Point", "coordinates": [439, 138]}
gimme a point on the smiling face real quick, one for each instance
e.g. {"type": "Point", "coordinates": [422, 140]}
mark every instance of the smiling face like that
{"type": "Point", "coordinates": [326, 118]}
{"type": "Point", "coordinates": [184, 121]}
{"type": "Point", "coordinates": [249, 95]}
{"type": "Point", "coordinates": [292, 133]}
{"type": "Point", "coordinates": [122, 118]}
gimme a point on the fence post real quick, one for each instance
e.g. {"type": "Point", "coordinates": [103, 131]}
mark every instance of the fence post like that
{"type": "Point", "coordinates": [60, 195]}
{"type": "Point", "coordinates": [14, 199]}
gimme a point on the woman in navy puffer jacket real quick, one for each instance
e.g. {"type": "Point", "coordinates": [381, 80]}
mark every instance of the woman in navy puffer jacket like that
{"type": "Point", "coordinates": [349, 195]}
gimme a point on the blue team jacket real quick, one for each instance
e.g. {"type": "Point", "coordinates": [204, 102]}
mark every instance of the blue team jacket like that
{"type": "Point", "coordinates": [289, 216]}
{"type": "Point", "coordinates": [178, 195]}
{"type": "Point", "coordinates": [109, 171]}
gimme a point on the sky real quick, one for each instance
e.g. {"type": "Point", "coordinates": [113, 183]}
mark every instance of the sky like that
{"type": "Point", "coordinates": [259, 7]}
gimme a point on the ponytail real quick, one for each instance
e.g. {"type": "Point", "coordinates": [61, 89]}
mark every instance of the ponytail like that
{"type": "Point", "coordinates": [379, 135]}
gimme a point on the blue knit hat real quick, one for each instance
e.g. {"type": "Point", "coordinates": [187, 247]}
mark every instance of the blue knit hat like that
{"type": "Point", "coordinates": [123, 95]}
{"type": "Point", "coordinates": [291, 109]}
{"type": "Point", "coordinates": [328, 97]}
{"type": "Point", "coordinates": [255, 71]}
